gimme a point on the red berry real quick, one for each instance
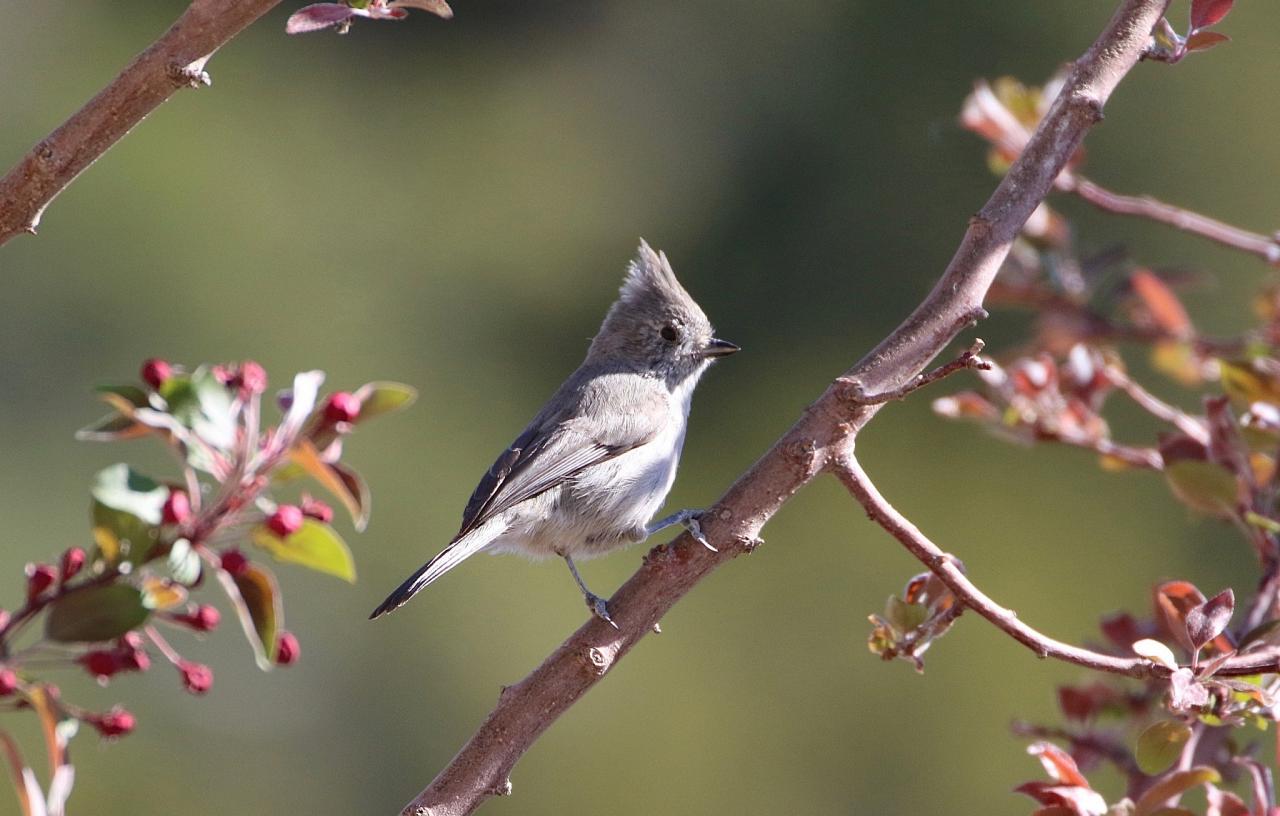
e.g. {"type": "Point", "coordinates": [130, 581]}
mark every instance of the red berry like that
{"type": "Point", "coordinates": [177, 507]}
{"type": "Point", "coordinates": [342, 407]}
{"type": "Point", "coordinates": [252, 378]}
{"type": "Point", "coordinates": [72, 563]}
{"type": "Point", "coordinates": [8, 682]}
{"type": "Point", "coordinates": [155, 372]}
{"type": "Point", "coordinates": [39, 578]}
{"type": "Point", "coordinates": [316, 509]}
{"type": "Point", "coordinates": [287, 649]}
{"type": "Point", "coordinates": [234, 562]}
{"type": "Point", "coordinates": [197, 678]}
{"type": "Point", "coordinates": [100, 663]}
{"type": "Point", "coordinates": [115, 723]}
{"type": "Point", "coordinates": [285, 521]}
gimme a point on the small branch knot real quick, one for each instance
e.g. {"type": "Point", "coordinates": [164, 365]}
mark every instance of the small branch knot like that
{"type": "Point", "coordinates": [749, 544]}
{"type": "Point", "coordinates": [189, 76]}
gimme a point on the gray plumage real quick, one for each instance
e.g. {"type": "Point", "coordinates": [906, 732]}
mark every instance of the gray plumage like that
{"type": "Point", "coordinates": [593, 467]}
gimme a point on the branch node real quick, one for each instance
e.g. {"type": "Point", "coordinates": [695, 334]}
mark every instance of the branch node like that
{"type": "Point", "coordinates": [1088, 106]}
{"type": "Point", "coordinates": [503, 788]}
{"type": "Point", "coordinates": [599, 659]}
{"type": "Point", "coordinates": [657, 628]}
{"type": "Point", "coordinates": [749, 544]}
{"type": "Point", "coordinates": [855, 393]}
{"type": "Point", "coordinates": [191, 75]}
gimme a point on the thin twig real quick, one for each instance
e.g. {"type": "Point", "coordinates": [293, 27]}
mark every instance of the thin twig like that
{"type": "Point", "coordinates": [855, 392]}
{"type": "Point", "coordinates": [1189, 425]}
{"type": "Point", "coordinates": [173, 62]}
{"type": "Point", "coordinates": [733, 524]}
{"type": "Point", "coordinates": [1265, 247]}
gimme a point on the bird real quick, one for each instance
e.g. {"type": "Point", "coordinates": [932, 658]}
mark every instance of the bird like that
{"type": "Point", "coordinates": [594, 466]}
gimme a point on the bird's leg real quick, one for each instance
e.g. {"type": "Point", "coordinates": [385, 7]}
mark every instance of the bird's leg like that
{"type": "Point", "coordinates": [598, 606]}
{"type": "Point", "coordinates": [687, 519]}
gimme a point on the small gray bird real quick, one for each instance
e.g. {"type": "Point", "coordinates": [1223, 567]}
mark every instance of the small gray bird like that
{"type": "Point", "coordinates": [596, 463]}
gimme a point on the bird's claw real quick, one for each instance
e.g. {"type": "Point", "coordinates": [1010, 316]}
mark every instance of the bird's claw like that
{"type": "Point", "coordinates": [600, 608]}
{"type": "Point", "coordinates": [695, 529]}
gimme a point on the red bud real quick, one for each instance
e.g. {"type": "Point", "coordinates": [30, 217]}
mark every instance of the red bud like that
{"type": "Point", "coordinates": [72, 562]}
{"type": "Point", "coordinates": [177, 507]}
{"type": "Point", "coordinates": [285, 521]}
{"type": "Point", "coordinates": [342, 407]}
{"type": "Point", "coordinates": [114, 723]}
{"type": "Point", "coordinates": [197, 678]}
{"type": "Point", "coordinates": [155, 372]}
{"type": "Point", "coordinates": [316, 509]}
{"type": "Point", "coordinates": [8, 682]}
{"type": "Point", "coordinates": [234, 562]}
{"type": "Point", "coordinates": [100, 663]}
{"type": "Point", "coordinates": [39, 578]}
{"type": "Point", "coordinates": [287, 649]}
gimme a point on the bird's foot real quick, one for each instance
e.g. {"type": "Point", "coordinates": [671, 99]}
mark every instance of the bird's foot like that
{"type": "Point", "coordinates": [687, 519]}
{"type": "Point", "coordinates": [600, 608]}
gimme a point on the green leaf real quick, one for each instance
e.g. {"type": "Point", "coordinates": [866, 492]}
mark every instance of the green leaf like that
{"type": "Point", "coordinates": [256, 598]}
{"type": "Point", "coordinates": [97, 613]}
{"type": "Point", "coordinates": [1160, 745]}
{"type": "Point", "coordinates": [378, 398]}
{"type": "Point", "coordinates": [1173, 785]}
{"type": "Point", "coordinates": [112, 428]}
{"type": "Point", "coordinates": [204, 405]}
{"type": "Point", "coordinates": [127, 510]}
{"type": "Point", "coordinates": [903, 616]}
{"type": "Point", "coordinates": [315, 545]}
{"type": "Point", "coordinates": [131, 394]}
{"type": "Point", "coordinates": [1204, 486]}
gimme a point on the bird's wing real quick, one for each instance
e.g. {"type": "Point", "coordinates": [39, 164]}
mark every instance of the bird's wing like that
{"type": "Point", "coordinates": [553, 449]}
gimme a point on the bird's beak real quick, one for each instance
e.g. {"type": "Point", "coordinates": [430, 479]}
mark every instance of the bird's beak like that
{"type": "Point", "coordinates": [720, 348]}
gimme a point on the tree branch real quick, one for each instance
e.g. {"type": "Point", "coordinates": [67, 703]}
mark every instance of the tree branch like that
{"type": "Point", "coordinates": [174, 61]}
{"type": "Point", "coordinates": [1265, 247]}
{"type": "Point", "coordinates": [525, 710]}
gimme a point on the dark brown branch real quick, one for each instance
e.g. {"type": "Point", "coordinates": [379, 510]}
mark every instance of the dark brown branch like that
{"type": "Point", "coordinates": [1265, 247]}
{"type": "Point", "coordinates": [174, 61]}
{"type": "Point", "coordinates": [733, 524]}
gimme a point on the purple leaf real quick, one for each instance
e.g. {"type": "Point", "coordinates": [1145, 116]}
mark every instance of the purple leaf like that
{"type": "Point", "coordinates": [437, 7]}
{"type": "Point", "coordinates": [317, 17]}
{"type": "Point", "coordinates": [1207, 620]}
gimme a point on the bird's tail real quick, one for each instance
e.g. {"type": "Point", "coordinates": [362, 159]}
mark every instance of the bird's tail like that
{"type": "Point", "coordinates": [451, 556]}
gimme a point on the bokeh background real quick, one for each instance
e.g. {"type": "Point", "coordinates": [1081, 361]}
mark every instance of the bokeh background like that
{"type": "Point", "coordinates": [452, 205]}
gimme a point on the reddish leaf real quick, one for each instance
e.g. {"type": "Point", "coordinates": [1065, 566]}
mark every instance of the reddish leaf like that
{"type": "Point", "coordinates": [318, 16]}
{"type": "Point", "coordinates": [1173, 785]}
{"type": "Point", "coordinates": [1076, 703]}
{"type": "Point", "coordinates": [1204, 40]}
{"type": "Point", "coordinates": [1173, 600]}
{"type": "Point", "coordinates": [1058, 764]}
{"type": "Point", "coordinates": [1205, 13]}
{"type": "Point", "coordinates": [1163, 305]}
{"type": "Point", "coordinates": [1121, 629]}
{"type": "Point", "coordinates": [1207, 620]}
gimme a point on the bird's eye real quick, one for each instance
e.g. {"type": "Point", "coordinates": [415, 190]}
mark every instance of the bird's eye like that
{"type": "Point", "coordinates": [670, 333]}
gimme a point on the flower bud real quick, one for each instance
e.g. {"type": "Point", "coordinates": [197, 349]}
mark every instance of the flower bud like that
{"type": "Point", "coordinates": [252, 378]}
{"type": "Point", "coordinates": [203, 618]}
{"type": "Point", "coordinates": [316, 509]}
{"type": "Point", "coordinates": [8, 682]}
{"type": "Point", "coordinates": [114, 723]}
{"type": "Point", "coordinates": [177, 507]}
{"type": "Point", "coordinates": [4, 618]}
{"type": "Point", "coordinates": [342, 407]}
{"type": "Point", "coordinates": [234, 562]}
{"type": "Point", "coordinates": [287, 650]}
{"type": "Point", "coordinates": [101, 663]}
{"type": "Point", "coordinates": [39, 578]}
{"type": "Point", "coordinates": [285, 521]}
{"type": "Point", "coordinates": [155, 372]}
{"type": "Point", "coordinates": [197, 678]}
{"type": "Point", "coordinates": [72, 562]}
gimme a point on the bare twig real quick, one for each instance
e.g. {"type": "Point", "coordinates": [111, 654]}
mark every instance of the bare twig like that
{"type": "Point", "coordinates": [846, 468]}
{"type": "Point", "coordinates": [174, 61]}
{"type": "Point", "coordinates": [1189, 425]}
{"type": "Point", "coordinates": [855, 392]}
{"type": "Point", "coordinates": [1265, 247]}
{"type": "Point", "coordinates": [526, 709]}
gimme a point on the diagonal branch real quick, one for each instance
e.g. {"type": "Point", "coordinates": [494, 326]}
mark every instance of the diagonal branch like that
{"type": "Point", "coordinates": [1265, 247]}
{"type": "Point", "coordinates": [525, 710]}
{"type": "Point", "coordinates": [173, 62]}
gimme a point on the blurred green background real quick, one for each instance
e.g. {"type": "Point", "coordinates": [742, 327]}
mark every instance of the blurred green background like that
{"type": "Point", "coordinates": [452, 205]}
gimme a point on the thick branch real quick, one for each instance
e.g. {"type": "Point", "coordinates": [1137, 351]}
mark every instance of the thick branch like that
{"type": "Point", "coordinates": [174, 61]}
{"type": "Point", "coordinates": [1265, 247]}
{"type": "Point", "coordinates": [526, 709]}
